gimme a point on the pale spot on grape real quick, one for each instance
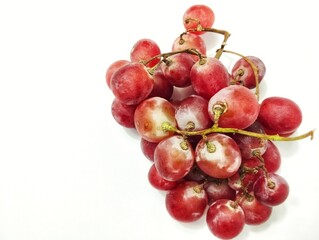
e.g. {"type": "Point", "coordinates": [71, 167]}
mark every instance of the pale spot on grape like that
{"type": "Point", "coordinates": [190, 192]}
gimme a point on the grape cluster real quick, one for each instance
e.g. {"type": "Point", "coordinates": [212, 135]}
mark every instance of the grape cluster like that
{"type": "Point", "coordinates": [209, 138]}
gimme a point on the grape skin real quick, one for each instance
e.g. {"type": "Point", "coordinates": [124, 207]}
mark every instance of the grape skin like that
{"type": "Point", "coordinates": [123, 114]}
{"type": "Point", "coordinates": [208, 78]}
{"type": "Point", "coordinates": [112, 69]}
{"type": "Point", "coordinates": [203, 15]}
{"type": "Point", "coordinates": [149, 116]}
{"type": "Point", "coordinates": [193, 109]}
{"type": "Point", "coordinates": [219, 190]}
{"type": "Point", "coordinates": [132, 83]}
{"type": "Point", "coordinates": [256, 213]}
{"type": "Point", "coordinates": [280, 115]}
{"type": "Point", "coordinates": [190, 41]}
{"type": "Point", "coordinates": [225, 219]}
{"type": "Point", "coordinates": [176, 69]}
{"type": "Point", "coordinates": [242, 107]}
{"type": "Point", "coordinates": [158, 182]}
{"type": "Point", "coordinates": [187, 202]}
{"type": "Point", "coordinates": [247, 77]}
{"type": "Point", "coordinates": [145, 49]}
{"type": "Point", "coordinates": [271, 195]}
{"type": "Point", "coordinates": [148, 149]}
{"type": "Point", "coordinates": [162, 88]}
{"type": "Point", "coordinates": [171, 160]}
{"type": "Point", "coordinates": [272, 157]}
{"type": "Point", "coordinates": [221, 163]}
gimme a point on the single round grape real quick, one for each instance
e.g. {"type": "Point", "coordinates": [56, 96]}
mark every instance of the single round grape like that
{"type": "Point", "coordinates": [190, 41]}
{"type": "Point", "coordinates": [174, 158]}
{"type": "Point", "coordinates": [218, 155]}
{"type": "Point", "coordinates": [149, 117]}
{"type": "Point", "coordinates": [145, 49]}
{"type": "Point", "coordinates": [209, 77]}
{"type": "Point", "coordinates": [271, 190]}
{"type": "Point", "coordinates": [112, 69]}
{"type": "Point", "coordinates": [225, 219]}
{"type": "Point", "coordinates": [187, 202]}
{"type": "Point", "coordinates": [191, 114]}
{"type": "Point", "coordinates": [156, 180]}
{"type": "Point", "coordinates": [176, 69]}
{"type": "Point", "coordinates": [256, 213]}
{"type": "Point", "coordinates": [280, 115]}
{"type": "Point", "coordinates": [241, 107]}
{"type": "Point", "coordinates": [132, 83]}
{"type": "Point", "coordinates": [243, 73]}
{"type": "Point", "coordinates": [198, 14]}
{"type": "Point", "coordinates": [123, 114]}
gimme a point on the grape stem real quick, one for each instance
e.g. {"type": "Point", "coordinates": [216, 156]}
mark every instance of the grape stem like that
{"type": "Point", "coordinates": [164, 56]}
{"type": "Point", "coordinates": [215, 129]}
{"type": "Point", "coordinates": [213, 30]}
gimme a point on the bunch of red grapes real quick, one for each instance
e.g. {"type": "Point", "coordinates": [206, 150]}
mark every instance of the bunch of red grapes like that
{"type": "Point", "coordinates": [209, 139]}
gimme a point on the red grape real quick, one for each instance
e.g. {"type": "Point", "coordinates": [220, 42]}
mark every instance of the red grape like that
{"type": "Point", "coordinates": [112, 69]}
{"type": "Point", "coordinates": [280, 115]}
{"type": "Point", "coordinates": [191, 114]}
{"type": "Point", "coordinates": [190, 41]}
{"type": "Point", "coordinates": [255, 212]}
{"type": "Point", "coordinates": [243, 73]}
{"type": "Point", "coordinates": [145, 49]}
{"type": "Point", "coordinates": [271, 190]}
{"type": "Point", "coordinates": [123, 114]}
{"type": "Point", "coordinates": [174, 158]}
{"type": "Point", "coordinates": [242, 107]}
{"type": "Point", "coordinates": [132, 83]}
{"type": "Point", "coordinates": [208, 78]}
{"type": "Point", "coordinates": [149, 117]}
{"type": "Point", "coordinates": [187, 202]}
{"type": "Point", "coordinates": [198, 14]}
{"type": "Point", "coordinates": [176, 69]}
{"type": "Point", "coordinates": [218, 155]}
{"type": "Point", "coordinates": [157, 181]}
{"type": "Point", "coordinates": [225, 219]}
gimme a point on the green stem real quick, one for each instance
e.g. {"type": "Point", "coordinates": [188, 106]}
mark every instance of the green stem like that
{"type": "Point", "coordinates": [215, 129]}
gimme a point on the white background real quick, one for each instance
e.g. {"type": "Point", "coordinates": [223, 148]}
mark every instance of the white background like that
{"type": "Point", "coordinates": [69, 171]}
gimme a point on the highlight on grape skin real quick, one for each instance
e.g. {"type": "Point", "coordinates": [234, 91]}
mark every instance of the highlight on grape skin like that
{"type": "Point", "coordinates": [209, 141]}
